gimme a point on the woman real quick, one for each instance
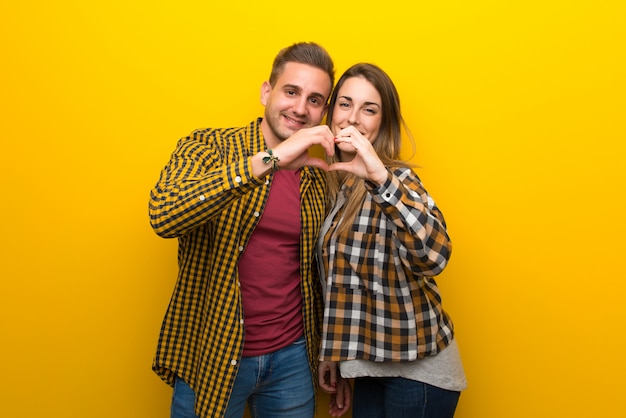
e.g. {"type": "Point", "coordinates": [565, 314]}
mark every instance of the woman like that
{"type": "Point", "coordinates": [383, 241]}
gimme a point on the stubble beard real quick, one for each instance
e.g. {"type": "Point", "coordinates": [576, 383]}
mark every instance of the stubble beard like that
{"type": "Point", "coordinates": [276, 126]}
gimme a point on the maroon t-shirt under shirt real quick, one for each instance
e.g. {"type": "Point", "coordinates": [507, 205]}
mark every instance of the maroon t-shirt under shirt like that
{"type": "Point", "coordinates": [269, 271]}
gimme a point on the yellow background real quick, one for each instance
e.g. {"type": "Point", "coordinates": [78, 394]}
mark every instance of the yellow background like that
{"type": "Point", "coordinates": [518, 109]}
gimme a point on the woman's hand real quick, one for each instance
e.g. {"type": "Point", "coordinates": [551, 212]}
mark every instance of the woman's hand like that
{"type": "Point", "coordinates": [366, 163]}
{"type": "Point", "coordinates": [339, 388]}
{"type": "Point", "coordinates": [327, 376]}
{"type": "Point", "coordinates": [341, 401]}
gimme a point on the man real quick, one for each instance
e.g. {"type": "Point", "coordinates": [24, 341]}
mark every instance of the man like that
{"type": "Point", "coordinates": [246, 205]}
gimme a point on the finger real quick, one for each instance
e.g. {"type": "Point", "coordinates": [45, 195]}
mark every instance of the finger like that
{"type": "Point", "coordinates": [323, 378]}
{"type": "Point", "coordinates": [347, 140]}
{"type": "Point", "coordinates": [317, 162]}
{"type": "Point", "coordinates": [333, 376]}
{"type": "Point", "coordinates": [347, 397]}
{"type": "Point", "coordinates": [327, 388]}
{"type": "Point", "coordinates": [343, 398]}
{"type": "Point", "coordinates": [339, 399]}
{"type": "Point", "coordinates": [333, 410]}
{"type": "Point", "coordinates": [339, 167]}
{"type": "Point", "coordinates": [325, 384]}
{"type": "Point", "coordinates": [328, 143]}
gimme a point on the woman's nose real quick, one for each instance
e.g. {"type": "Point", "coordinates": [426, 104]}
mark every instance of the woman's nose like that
{"type": "Point", "coordinates": [353, 118]}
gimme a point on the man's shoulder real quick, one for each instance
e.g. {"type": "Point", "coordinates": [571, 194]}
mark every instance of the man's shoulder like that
{"type": "Point", "coordinates": [223, 133]}
{"type": "Point", "coordinates": [216, 132]}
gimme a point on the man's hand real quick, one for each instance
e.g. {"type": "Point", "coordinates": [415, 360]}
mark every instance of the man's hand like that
{"type": "Point", "coordinates": [293, 152]}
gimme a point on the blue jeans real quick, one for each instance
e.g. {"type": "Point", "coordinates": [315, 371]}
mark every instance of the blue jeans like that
{"type": "Point", "coordinates": [396, 397]}
{"type": "Point", "coordinates": [276, 385]}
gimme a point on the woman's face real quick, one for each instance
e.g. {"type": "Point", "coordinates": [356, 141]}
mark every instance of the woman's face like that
{"type": "Point", "coordinates": [358, 104]}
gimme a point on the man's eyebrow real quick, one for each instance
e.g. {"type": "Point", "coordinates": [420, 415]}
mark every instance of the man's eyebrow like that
{"type": "Point", "coordinates": [299, 89]}
{"type": "Point", "coordinates": [319, 95]}
{"type": "Point", "coordinates": [292, 87]}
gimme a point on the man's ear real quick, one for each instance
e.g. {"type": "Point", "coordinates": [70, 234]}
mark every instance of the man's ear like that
{"type": "Point", "coordinates": [266, 89]}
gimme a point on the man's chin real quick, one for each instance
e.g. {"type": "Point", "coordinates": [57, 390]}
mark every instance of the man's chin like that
{"type": "Point", "coordinates": [286, 133]}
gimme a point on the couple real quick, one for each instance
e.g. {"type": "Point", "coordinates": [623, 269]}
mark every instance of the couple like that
{"type": "Point", "coordinates": [288, 261]}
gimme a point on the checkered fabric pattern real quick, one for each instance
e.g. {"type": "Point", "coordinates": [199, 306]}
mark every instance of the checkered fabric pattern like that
{"type": "Point", "coordinates": [382, 302]}
{"type": "Point", "coordinates": [208, 198]}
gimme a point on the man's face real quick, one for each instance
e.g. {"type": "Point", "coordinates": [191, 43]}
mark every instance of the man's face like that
{"type": "Point", "coordinates": [297, 100]}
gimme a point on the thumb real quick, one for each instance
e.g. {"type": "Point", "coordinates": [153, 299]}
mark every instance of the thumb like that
{"type": "Point", "coordinates": [339, 398]}
{"type": "Point", "coordinates": [316, 162]}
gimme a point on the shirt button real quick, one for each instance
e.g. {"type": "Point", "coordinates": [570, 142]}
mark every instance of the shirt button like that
{"type": "Point", "coordinates": [241, 248]}
{"type": "Point", "coordinates": [233, 362]}
{"type": "Point", "coordinates": [241, 321]}
{"type": "Point", "coordinates": [256, 214]}
{"type": "Point", "coordinates": [238, 179]}
{"type": "Point", "coordinates": [267, 181]}
{"type": "Point", "coordinates": [202, 197]}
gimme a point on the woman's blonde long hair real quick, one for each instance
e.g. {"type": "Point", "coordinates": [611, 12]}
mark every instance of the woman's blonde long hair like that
{"type": "Point", "coordinates": [387, 143]}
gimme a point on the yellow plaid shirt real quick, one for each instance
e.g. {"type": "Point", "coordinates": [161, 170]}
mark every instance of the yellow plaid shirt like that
{"type": "Point", "coordinates": [208, 198]}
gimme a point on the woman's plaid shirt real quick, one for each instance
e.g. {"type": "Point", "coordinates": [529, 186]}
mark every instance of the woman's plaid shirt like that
{"type": "Point", "coordinates": [382, 303]}
{"type": "Point", "coordinates": [208, 198]}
